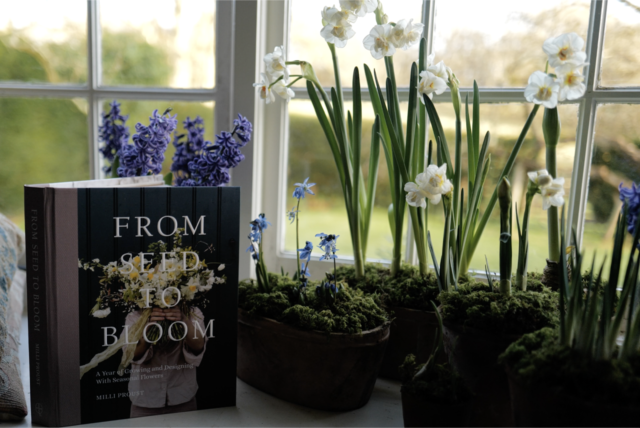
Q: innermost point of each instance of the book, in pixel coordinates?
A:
(132, 298)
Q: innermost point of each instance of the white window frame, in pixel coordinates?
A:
(274, 126)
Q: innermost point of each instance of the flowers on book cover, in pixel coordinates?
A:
(165, 276)
(159, 278)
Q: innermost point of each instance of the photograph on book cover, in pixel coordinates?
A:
(158, 292)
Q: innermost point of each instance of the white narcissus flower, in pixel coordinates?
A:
(431, 184)
(540, 178)
(542, 89)
(102, 313)
(565, 49)
(430, 84)
(280, 88)
(337, 26)
(359, 7)
(378, 41)
(553, 194)
(571, 82)
(405, 34)
(440, 70)
(275, 63)
(430, 59)
(264, 90)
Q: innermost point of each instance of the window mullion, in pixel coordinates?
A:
(93, 81)
(586, 122)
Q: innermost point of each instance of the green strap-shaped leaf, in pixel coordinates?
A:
(439, 135)
(505, 173)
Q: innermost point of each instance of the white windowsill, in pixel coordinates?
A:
(254, 408)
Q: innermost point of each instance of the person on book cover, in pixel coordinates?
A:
(165, 373)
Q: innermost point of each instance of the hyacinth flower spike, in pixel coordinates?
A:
(114, 134)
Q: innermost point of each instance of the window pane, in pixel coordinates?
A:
(307, 44)
(43, 141)
(621, 56)
(140, 111)
(161, 43)
(616, 156)
(310, 156)
(499, 42)
(43, 41)
(505, 122)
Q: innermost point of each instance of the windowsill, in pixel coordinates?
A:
(254, 408)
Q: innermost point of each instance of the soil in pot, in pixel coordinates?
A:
(324, 356)
(572, 390)
(407, 298)
(479, 324)
(440, 400)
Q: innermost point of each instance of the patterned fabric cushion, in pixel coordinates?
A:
(11, 249)
(12, 400)
(13, 405)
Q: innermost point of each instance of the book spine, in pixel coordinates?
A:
(37, 223)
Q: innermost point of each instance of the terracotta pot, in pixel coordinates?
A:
(319, 370)
(412, 332)
(418, 412)
(540, 406)
(474, 354)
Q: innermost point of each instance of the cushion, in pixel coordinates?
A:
(11, 249)
(13, 404)
(12, 282)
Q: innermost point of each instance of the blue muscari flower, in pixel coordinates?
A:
(303, 188)
(292, 214)
(243, 129)
(328, 245)
(113, 134)
(631, 198)
(146, 155)
(305, 253)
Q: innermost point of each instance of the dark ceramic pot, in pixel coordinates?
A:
(474, 354)
(419, 412)
(325, 371)
(549, 406)
(412, 332)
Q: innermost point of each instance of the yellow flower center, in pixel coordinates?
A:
(339, 32)
(544, 93)
(381, 44)
(436, 181)
(136, 260)
(133, 275)
(150, 276)
(564, 53)
(192, 288)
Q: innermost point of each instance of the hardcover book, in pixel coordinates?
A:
(132, 297)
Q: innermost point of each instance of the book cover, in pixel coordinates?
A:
(132, 301)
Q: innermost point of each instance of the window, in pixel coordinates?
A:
(63, 62)
(498, 43)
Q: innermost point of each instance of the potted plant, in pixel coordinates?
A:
(318, 344)
(481, 320)
(433, 394)
(586, 372)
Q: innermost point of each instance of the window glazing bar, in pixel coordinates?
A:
(586, 120)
